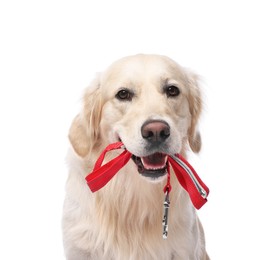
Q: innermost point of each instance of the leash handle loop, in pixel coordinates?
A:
(101, 175)
(184, 172)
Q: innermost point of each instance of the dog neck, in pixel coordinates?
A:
(129, 210)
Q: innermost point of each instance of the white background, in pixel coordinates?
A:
(50, 51)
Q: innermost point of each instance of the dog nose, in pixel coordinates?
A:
(155, 131)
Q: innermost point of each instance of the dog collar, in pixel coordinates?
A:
(185, 174)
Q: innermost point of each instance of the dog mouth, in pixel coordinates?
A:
(152, 166)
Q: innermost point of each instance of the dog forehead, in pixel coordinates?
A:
(141, 69)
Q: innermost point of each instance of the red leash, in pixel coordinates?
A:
(101, 175)
(184, 172)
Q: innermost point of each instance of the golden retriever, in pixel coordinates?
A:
(152, 105)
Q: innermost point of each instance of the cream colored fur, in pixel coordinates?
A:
(123, 220)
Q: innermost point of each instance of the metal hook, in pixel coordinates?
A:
(166, 206)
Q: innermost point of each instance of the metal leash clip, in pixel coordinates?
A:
(166, 206)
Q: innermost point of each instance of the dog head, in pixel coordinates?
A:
(148, 102)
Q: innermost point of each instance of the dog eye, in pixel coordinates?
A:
(172, 91)
(124, 95)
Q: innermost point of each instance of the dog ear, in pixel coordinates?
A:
(84, 131)
(195, 106)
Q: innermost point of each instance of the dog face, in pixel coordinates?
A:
(149, 103)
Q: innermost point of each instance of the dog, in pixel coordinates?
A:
(152, 105)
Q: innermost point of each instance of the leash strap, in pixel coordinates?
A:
(184, 172)
(101, 175)
(189, 180)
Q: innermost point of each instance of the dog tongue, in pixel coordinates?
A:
(154, 161)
